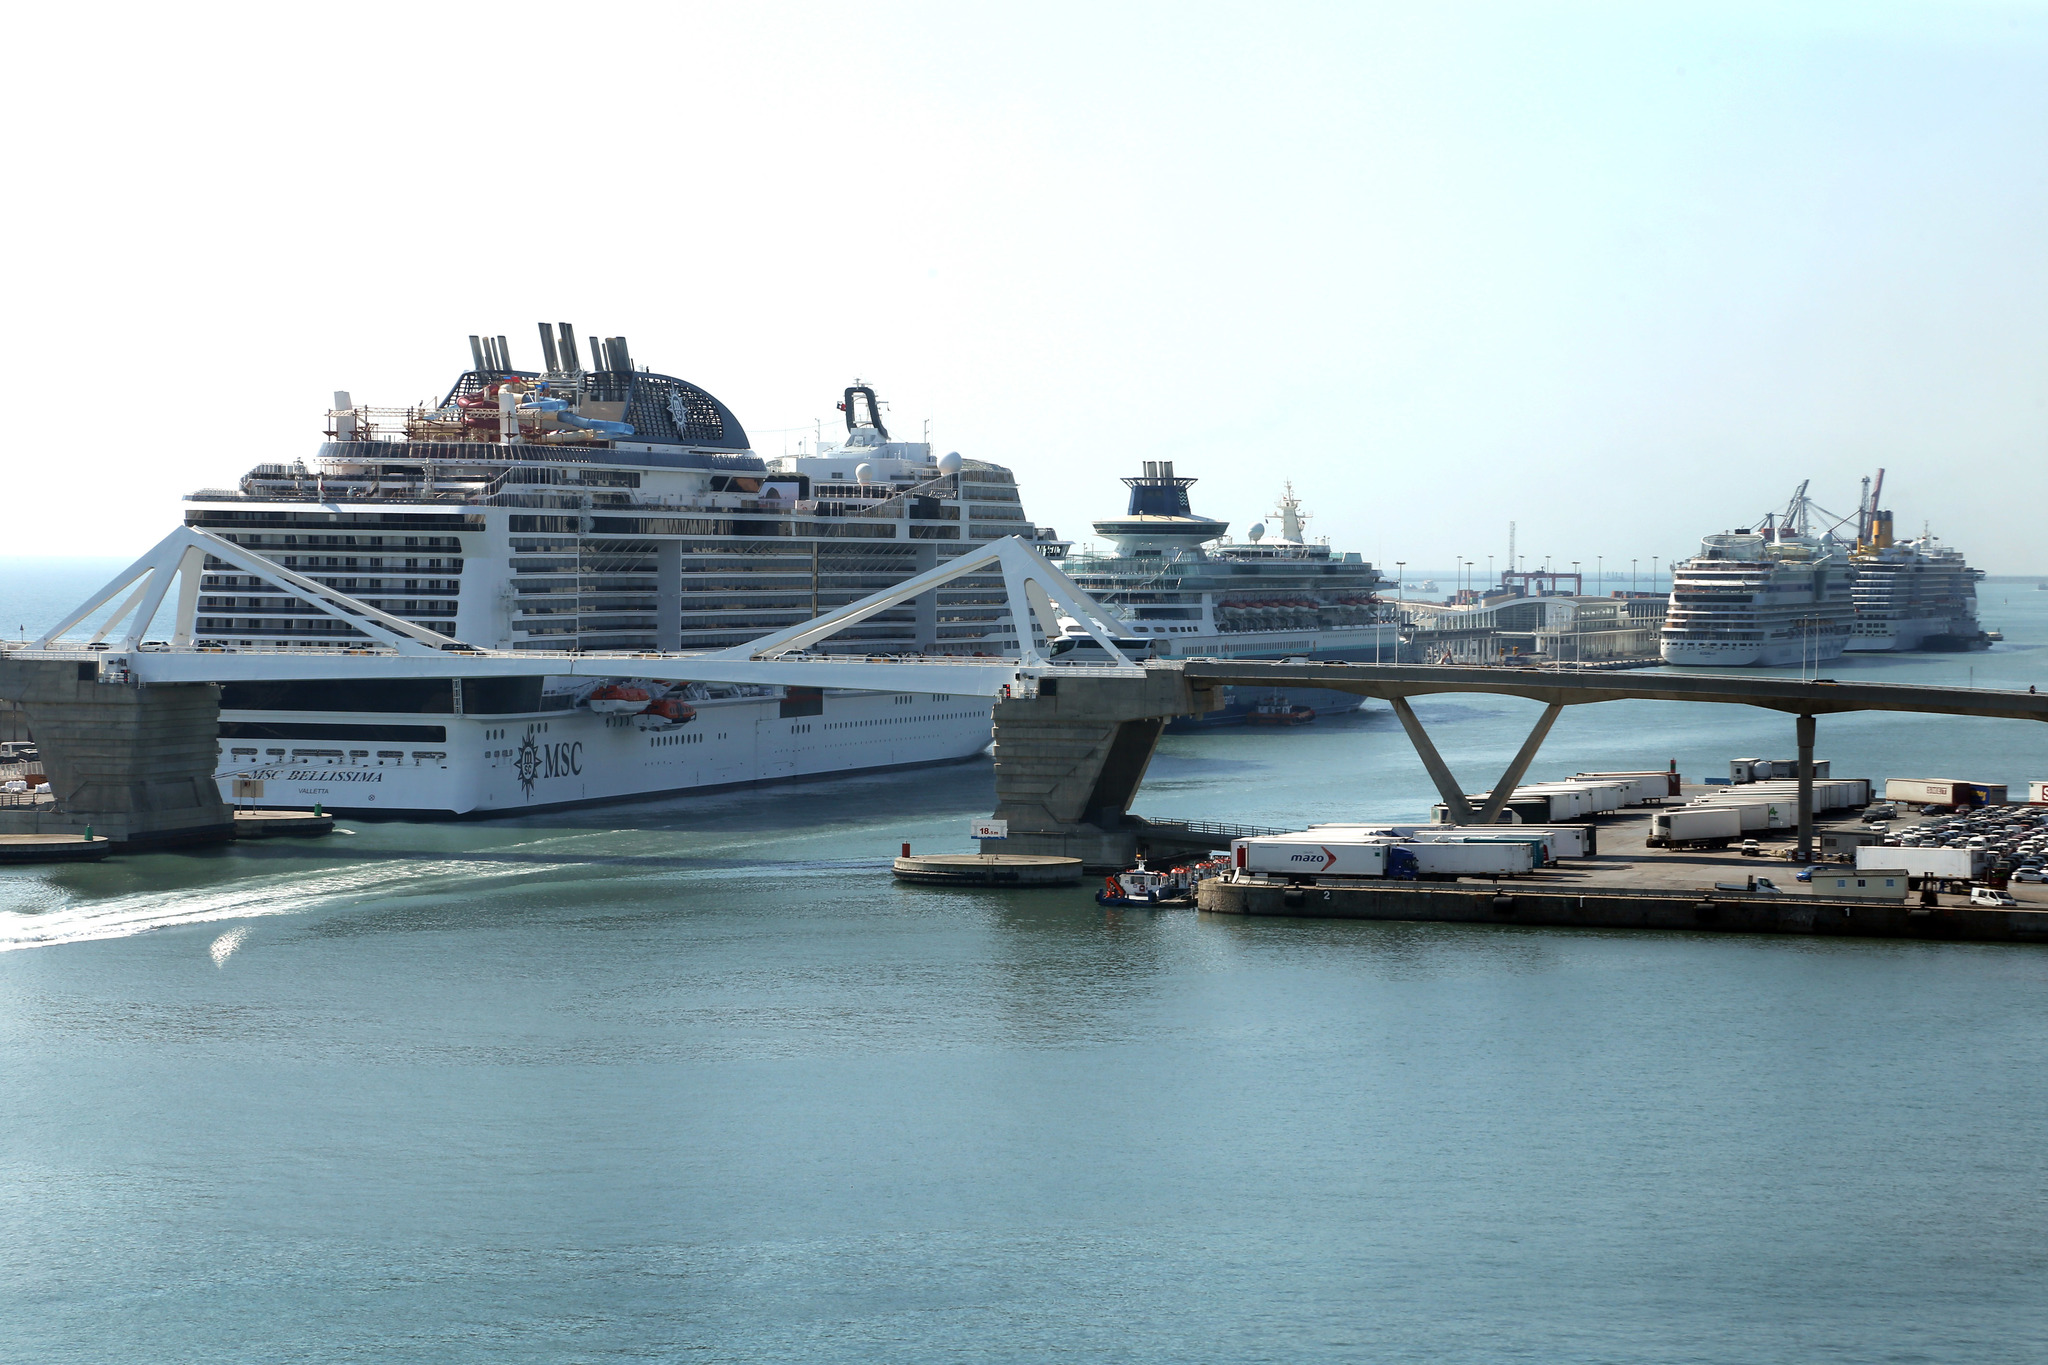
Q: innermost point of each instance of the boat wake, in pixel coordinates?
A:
(83, 921)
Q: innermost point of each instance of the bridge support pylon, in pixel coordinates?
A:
(135, 763)
(1460, 809)
(1069, 760)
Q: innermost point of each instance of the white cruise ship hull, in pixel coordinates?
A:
(1750, 653)
(497, 765)
(1908, 633)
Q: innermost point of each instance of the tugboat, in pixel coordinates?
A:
(1170, 890)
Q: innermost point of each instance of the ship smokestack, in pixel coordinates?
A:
(547, 348)
(476, 352)
(570, 361)
(504, 355)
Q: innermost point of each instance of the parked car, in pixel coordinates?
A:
(1986, 896)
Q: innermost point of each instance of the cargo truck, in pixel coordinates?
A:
(1926, 864)
(1695, 827)
(1564, 841)
(1655, 782)
(1313, 854)
(1943, 791)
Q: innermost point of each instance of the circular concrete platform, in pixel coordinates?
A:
(53, 848)
(988, 869)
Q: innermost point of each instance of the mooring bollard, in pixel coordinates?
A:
(88, 834)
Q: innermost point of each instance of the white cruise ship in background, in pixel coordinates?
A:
(1771, 597)
(600, 508)
(1175, 579)
(1909, 594)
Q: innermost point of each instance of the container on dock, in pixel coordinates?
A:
(1746, 770)
(1695, 827)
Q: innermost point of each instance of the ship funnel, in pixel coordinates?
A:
(504, 355)
(476, 353)
(547, 348)
(571, 362)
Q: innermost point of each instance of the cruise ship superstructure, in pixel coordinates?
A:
(1776, 596)
(1909, 594)
(1175, 579)
(599, 507)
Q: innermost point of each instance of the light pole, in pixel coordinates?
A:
(1599, 575)
(1489, 571)
(1401, 574)
(1631, 577)
(1653, 573)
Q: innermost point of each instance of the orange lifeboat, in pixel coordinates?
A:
(665, 712)
(618, 699)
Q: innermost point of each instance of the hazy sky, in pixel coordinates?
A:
(1621, 273)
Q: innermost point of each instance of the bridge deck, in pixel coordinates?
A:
(1792, 695)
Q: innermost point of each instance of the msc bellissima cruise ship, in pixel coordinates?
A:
(599, 508)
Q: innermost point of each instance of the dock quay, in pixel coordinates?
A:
(272, 824)
(1632, 886)
(1626, 908)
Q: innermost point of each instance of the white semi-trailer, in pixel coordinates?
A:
(1755, 816)
(1943, 791)
(1309, 854)
(1346, 853)
(1939, 864)
(1695, 827)
(1654, 783)
(1565, 841)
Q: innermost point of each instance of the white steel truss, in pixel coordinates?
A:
(1039, 594)
(182, 556)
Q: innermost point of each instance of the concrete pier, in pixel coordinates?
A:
(135, 763)
(1622, 908)
(1069, 760)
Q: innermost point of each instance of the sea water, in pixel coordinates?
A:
(694, 1079)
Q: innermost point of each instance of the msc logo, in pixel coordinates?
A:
(536, 761)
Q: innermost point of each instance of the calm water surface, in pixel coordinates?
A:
(695, 1080)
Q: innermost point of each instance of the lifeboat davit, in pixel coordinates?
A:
(617, 699)
(663, 713)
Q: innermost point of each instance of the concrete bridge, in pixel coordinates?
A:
(1070, 754)
(129, 728)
